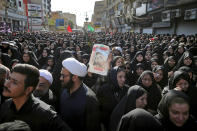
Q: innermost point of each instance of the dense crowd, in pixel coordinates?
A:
(151, 82)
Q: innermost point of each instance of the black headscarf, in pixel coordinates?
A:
(176, 77)
(163, 112)
(139, 120)
(135, 76)
(164, 80)
(154, 94)
(180, 63)
(32, 60)
(164, 104)
(127, 103)
(112, 76)
(134, 61)
(168, 68)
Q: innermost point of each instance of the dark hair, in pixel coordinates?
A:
(31, 72)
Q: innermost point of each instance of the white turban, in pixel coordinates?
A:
(47, 75)
(75, 67)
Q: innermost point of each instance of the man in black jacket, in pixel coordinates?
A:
(24, 106)
(42, 90)
(79, 106)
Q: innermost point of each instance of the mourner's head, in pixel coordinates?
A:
(22, 81)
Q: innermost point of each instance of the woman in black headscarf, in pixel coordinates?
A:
(148, 56)
(173, 112)
(139, 120)
(181, 81)
(185, 60)
(136, 97)
(110, 94)
(132, 51)
(160, 76)
(178, 77)
(28, 58)
(179, 52)
(14, 54)
(44, 57)
(138, 58)
(169, 64)
(153, 63)
(190, 72)
(137, 72)
(147, 81)
(129, 75)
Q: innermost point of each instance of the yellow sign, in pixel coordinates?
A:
(61, 27)
(51, 22)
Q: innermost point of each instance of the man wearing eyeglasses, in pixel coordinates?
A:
(79, 106)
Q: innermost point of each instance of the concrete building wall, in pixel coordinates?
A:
(71, 17)
(148, 30)
(164, 31)
(187, 28)
(98, 16)
(17, 19)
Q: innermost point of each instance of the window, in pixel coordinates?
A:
(19, 4)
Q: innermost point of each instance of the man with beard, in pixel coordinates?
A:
(79, 106)
(23, 106)
(42, 90)
(4, 73)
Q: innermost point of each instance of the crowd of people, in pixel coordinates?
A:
(151, 82)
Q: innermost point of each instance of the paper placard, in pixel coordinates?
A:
(98, 60)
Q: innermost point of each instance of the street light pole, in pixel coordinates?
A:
(6, 15)
(86, 19)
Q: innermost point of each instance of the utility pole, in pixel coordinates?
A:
(86, 19)
(6, 15)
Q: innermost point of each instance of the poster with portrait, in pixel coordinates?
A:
(98, 60)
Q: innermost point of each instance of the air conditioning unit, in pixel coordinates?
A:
(190, 14)
(175, 13)
(166, 15)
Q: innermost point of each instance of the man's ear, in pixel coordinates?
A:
(29, 90)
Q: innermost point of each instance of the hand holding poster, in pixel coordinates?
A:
(98, 61)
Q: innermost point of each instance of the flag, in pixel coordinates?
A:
(69, 29)
(26, 10)
(90, 28)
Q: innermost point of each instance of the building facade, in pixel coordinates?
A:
(13, 14)
(39, 11)
(59, 21)
(152, 16)
(98, 16)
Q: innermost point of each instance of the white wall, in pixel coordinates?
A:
(148, 30)
(164, 31)
(187, 27)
